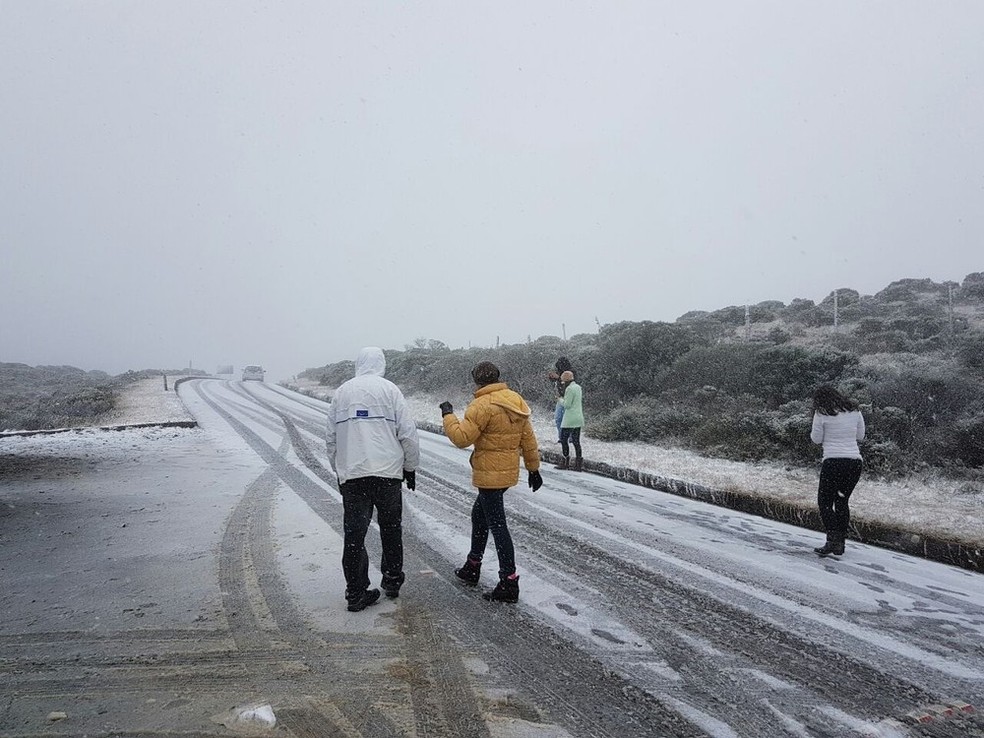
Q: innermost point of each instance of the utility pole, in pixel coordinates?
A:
(836, 316)
(748, 323)
(949, 310)
(563, 327)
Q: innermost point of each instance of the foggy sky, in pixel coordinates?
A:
(284, 182)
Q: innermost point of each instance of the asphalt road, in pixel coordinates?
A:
(153, 582)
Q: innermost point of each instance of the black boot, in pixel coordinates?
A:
(470, 572)
(838, 544)
(361, 601)
(578, 464)
(832, 547)
(507, 590)
(391, 584)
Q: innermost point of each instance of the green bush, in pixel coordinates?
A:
(621, 424)
(745, 436)
(967, 442)
(45, 397)
(886, 459)
(778, 336)
(929, 396)
(970, 350)
(635, 354)
(890, 424)
(691, 383)
(776, 374)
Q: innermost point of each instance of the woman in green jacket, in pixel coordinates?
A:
(570, 426)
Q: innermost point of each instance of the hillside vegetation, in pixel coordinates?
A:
(737, 382)
(46, 397)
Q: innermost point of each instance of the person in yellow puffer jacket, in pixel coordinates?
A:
(497, 423)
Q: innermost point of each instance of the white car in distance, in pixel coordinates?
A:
(253, 372)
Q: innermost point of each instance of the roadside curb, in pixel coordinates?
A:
(125, 426)
(871, 533)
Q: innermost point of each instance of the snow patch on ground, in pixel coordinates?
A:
(146, 401)
(933, 504)
(928, 503)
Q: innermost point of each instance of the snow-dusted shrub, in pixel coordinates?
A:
(967, 441)
(43, 397)
(778, 336)
(775, 374)
(970, 350)
(645, 420)
(890, 424)
(621, 424)
(972, 288)
(929, 396)
(886, 459)
(744, 436)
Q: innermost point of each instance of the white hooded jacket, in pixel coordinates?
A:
(370, 431)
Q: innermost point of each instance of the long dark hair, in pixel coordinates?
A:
(563, 365)
(828, 401)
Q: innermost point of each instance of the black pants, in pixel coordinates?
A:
(359, 496)
(570, 436)
(838, 477)
(489, 514)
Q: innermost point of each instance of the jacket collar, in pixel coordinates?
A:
(494, 387)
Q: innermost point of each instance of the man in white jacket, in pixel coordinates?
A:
(373, 448)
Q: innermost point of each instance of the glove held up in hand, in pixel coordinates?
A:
(446, 408)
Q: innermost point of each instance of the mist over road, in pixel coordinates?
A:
(158, 578)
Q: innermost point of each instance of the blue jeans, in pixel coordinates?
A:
(558, 417)
(489, 514)
(359, 497)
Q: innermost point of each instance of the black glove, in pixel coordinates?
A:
(536, 481)
(446, 408)
(410, 477)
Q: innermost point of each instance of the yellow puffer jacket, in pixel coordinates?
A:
(497, 421)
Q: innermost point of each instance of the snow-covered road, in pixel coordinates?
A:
(705, 608)
(641, 613)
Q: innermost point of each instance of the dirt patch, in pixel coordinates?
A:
(42, 467)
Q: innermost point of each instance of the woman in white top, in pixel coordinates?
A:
(838, 425)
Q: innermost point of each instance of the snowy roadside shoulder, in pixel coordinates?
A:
(930, 515)
(147, 402)
(144, 403)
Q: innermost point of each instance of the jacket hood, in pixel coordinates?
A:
(505, 398)
(371, 361)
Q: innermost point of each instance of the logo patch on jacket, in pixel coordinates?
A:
(362, 413)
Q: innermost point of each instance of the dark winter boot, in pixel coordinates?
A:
(507, 590)
(578, 464)
(470, 572)
(565, 463)
(831, 547)
(361, 601)
(838, 544)
(391, 584)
